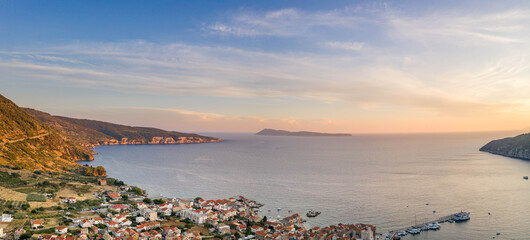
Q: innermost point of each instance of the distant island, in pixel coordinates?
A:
(274, 132)
(515, 147)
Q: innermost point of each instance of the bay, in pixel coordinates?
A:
(390, 181)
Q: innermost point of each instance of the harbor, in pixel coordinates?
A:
(425, 226)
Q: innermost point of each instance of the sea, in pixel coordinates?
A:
(390, 181)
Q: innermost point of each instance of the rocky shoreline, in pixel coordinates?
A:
(155, 141)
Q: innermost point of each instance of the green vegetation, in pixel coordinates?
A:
(115, 182)
(138, 191)
(11, 180)
(97, 171)
(35, 198)
(10, 206)
(88, 203)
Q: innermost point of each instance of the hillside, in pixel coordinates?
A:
(516, 147)
(91, 133)
(26, 142)
(273, 132)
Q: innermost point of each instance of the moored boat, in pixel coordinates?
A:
(461, 216)
(312, 213)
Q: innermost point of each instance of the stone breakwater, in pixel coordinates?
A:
(156, 140)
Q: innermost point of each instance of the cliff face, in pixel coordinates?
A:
(91, 133)
(26, 142)
(516, 147)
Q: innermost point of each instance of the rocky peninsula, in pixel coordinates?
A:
(515, 147)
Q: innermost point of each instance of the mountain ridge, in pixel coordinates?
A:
(91, 133)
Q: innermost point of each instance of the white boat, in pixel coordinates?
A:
(434, 226)
(414, 231)
(461, 216)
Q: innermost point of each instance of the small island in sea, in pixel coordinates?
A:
(274, 132)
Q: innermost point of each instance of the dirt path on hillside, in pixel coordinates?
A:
(24, 139)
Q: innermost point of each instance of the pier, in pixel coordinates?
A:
(443, 219)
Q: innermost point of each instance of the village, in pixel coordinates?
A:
(124, 213)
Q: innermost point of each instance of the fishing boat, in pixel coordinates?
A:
(312, 213)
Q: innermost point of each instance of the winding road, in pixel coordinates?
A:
(24, 139)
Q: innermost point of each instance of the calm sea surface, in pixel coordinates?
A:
(384, 180)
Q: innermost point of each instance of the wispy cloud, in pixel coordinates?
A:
(349, 46)
(463, 28)
(443, 63)
(287, 22)
(228, 72)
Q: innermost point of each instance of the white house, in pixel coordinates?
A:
(140, 219)
(222, 229)
(61, 230)
(6, 218)
(367, 234)
(112, 224)
(85, 224)
(149, 214)
(165, 211)
(195, 216)
(98, 220)
(126, 222)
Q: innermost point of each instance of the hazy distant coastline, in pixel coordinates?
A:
(274, 132)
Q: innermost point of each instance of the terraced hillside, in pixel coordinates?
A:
(26, 142)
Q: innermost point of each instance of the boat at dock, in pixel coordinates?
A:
(312, 213)
(433, 226)
(414, 231)
(461, 216)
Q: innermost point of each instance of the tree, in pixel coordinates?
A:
(97, 171)
(25, 236)
(100, 171)
(248, 230)
(147, 201)
(158, 201)
(125, 197)
(25, 206)
(138, 191)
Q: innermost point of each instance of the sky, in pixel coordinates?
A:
(241, 66)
